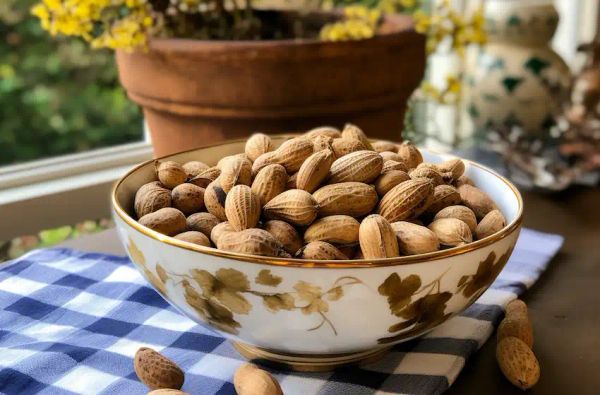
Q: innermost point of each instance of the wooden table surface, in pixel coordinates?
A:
(564, 304)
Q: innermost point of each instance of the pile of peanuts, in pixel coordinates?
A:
(328, 194)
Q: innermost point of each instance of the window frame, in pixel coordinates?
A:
(63, 190)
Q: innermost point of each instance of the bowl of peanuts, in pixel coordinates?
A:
(320, 249)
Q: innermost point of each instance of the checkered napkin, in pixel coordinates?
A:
(70, 322)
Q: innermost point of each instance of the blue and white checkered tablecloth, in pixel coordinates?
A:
(70, 322)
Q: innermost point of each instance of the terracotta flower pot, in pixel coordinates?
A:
(196, 92)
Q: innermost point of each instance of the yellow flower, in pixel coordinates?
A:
(450, 94)
(123, 23)
(428, 90)
(356, 11)
(387, 6)
(453, 84)
(408, 3)
(358, 23)
(422, 21)
(448, 23)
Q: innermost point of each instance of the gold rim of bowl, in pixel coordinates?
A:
(331, 264)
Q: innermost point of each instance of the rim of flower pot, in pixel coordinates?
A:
(396, 27)
(329, 264)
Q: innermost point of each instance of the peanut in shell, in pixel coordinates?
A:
(257, 144)
(202, 222)
(314, 170)
(384, 146)
(389, 155)
(415, 239)
(463, 213)
(492, 222)
(443, 196)
(348, 198)
(235, 171)
(151, 197)
(295, 206)
(323, 131)
(351, 131)
(335, 229)
(193, 237)
(168, 221)
(406, 200)
(214, 200)
(451, 232)
(194, 167)
(517, 362)
(188, 198)
(386, 181)
(345, 146)
(410, 155)
(285, 233)
(170, 173)
(377, 238)
(359, 166)
(292, 153)
(270, 181)
(477, 200)
(251, 241)
(242, 208)
(320, 250)
(205, 177)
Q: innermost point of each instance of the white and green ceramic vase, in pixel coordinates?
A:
(518, 79)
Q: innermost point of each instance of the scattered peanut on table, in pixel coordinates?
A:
(514, 348)
(163, 377)
(157, 371)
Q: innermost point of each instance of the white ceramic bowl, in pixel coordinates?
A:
(308, 313)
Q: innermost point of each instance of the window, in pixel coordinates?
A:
(67, 129)
(57, 96)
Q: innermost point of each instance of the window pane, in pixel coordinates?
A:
(57, 96)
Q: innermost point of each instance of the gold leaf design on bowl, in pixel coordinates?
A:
(223, 294)
(313, 298)
(335, 293)
(416, 330)
(399, 291)
(209, 308)
(264, 277)
(226, 287)
(135, 254)
(473, 285)
(138, 258)
(421, 313)
(423, 310)
(311, 294)
(281, 301)
(418, 313)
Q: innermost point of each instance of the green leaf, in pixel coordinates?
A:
(513, 20)
(54, 236)
(57, 95)
(511, 83)
(536, 65)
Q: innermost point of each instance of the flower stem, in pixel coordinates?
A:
(433, 283)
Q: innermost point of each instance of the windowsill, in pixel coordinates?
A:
(64, 190)
(106, 242)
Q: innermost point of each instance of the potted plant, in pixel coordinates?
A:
(205, 70)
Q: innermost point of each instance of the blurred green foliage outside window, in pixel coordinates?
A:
(57, 96)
